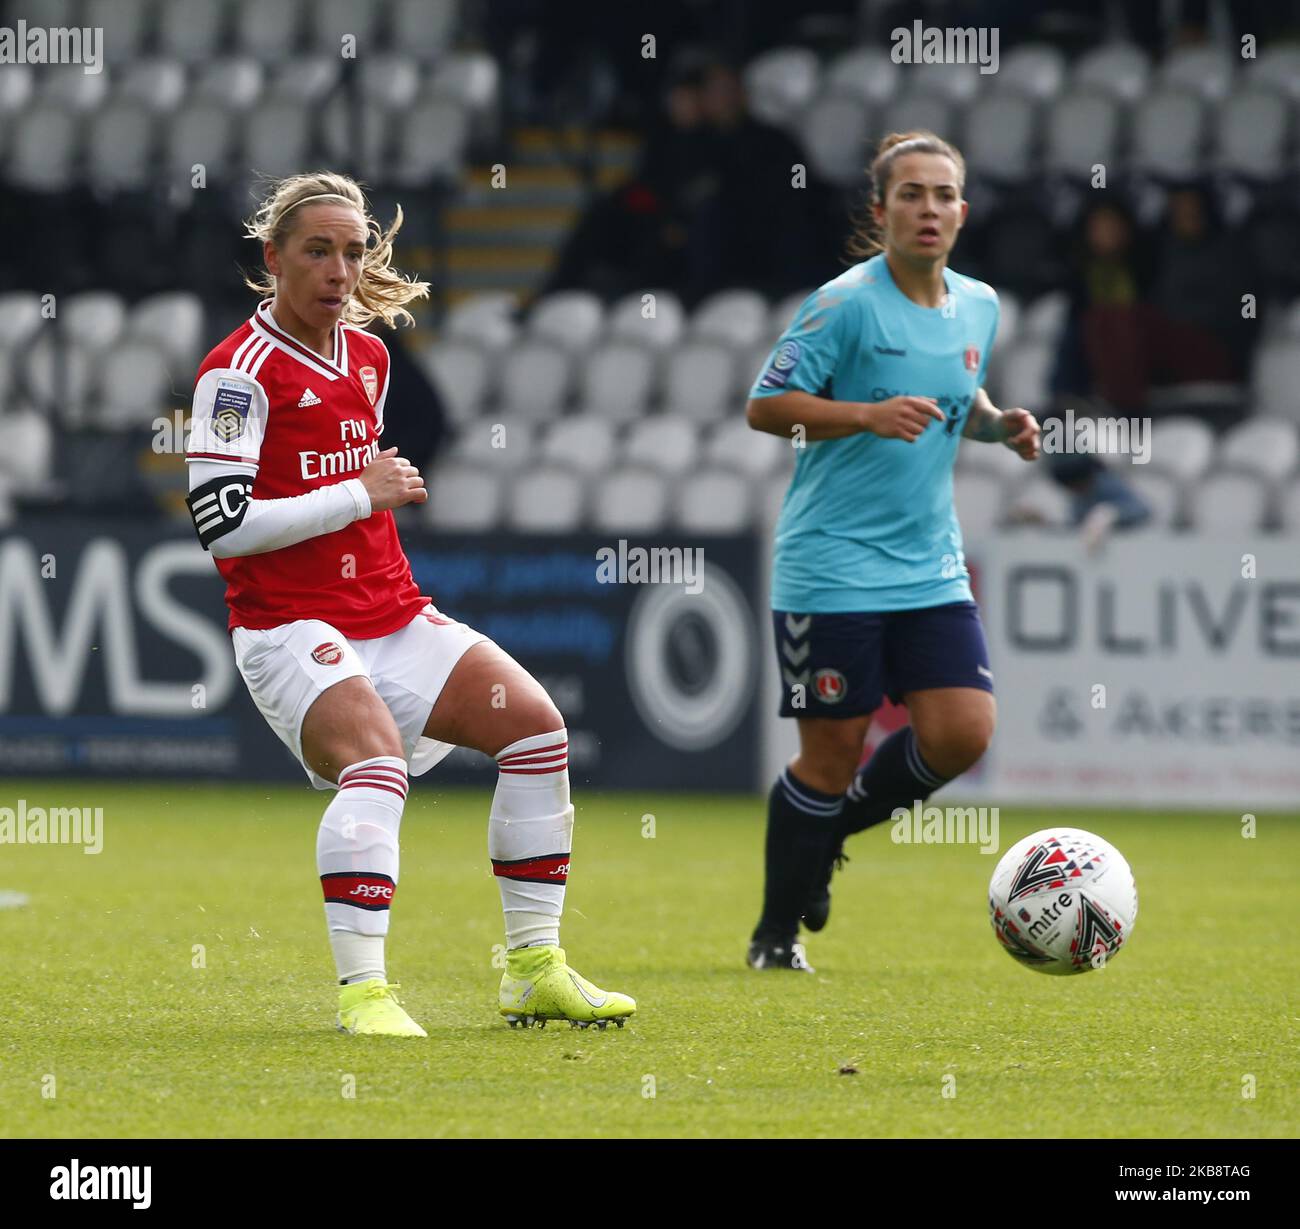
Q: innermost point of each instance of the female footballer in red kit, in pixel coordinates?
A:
(353, 668)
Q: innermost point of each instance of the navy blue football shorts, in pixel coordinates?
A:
(847, 662)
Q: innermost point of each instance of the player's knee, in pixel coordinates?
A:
(829, 765)
(532, 719)
(954, 748)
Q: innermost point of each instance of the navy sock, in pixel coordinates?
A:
(800, 821)
(894, 776)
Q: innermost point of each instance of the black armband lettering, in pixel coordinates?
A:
(218, 506)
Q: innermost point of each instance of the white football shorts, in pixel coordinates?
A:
(287, 667)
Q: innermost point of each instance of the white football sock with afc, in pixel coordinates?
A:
(357, 856)
(530, 834)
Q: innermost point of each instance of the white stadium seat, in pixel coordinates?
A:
(1009, 312)
(1044, 318)
(1277, 68)
(17, 86)
(329, 20)
(469, 78)
(158, 83)
(267, 29)
(714, 501)
(463, 499)
(191, 30)
(630, 501)
(1169, 134)
(1036, 71)
(833, 132)
(1203, 69)
(628, 319)
(1229, 504)
(59, 377)
(1251, 134)
(134, 386)
(392, 81)
(277, 136)
(1289, 508)
(546, 500)
(996, 459)
(431, 142)
(305, 78)
(486, 319)
(1161, 492)
(175, 321)
(930, 111)
(26, 451)
(733, 317)
(534, 380)
(700, 382)
(867, 72)
(616, 381)
(1182, 447)
(234, 81)
(1040, 502)
(120, 148)
(43, 148)
(1267, 447)
(582, 442)
(1082, 131)
(125, 24)
(339, 133)
(1121, 70)
(200, 134)
(1022, 372)
(780, 83)
(755, 454)
(571, 319)
(1000, 133)
(424, 28)
(20, 317)
(956, 84)
(1275, 377)
(95, 318)
(496, 442)
(462, 373)
(978, 498)
(69, 85)
(666, 443)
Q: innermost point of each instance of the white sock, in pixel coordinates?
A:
(356, 855)
(530, 835)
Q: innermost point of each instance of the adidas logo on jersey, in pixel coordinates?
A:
(308, 398)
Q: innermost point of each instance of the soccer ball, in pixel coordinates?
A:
(1063, 901)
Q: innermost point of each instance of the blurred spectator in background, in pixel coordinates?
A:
(711, 204)
(1101, 355)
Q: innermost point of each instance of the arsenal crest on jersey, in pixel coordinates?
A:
(972, 358)
(370, 382)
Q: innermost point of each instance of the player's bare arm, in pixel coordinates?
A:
(1018, 429)
(898, 418)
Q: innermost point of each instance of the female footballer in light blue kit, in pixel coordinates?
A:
(879, 376)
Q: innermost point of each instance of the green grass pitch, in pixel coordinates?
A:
(104, 996)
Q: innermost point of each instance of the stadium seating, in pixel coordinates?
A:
(629, 501)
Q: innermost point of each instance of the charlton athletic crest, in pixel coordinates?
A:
(370, 381)
(830, 686)
(972, 359)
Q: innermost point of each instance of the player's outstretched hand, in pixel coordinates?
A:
(392, 481)
(902, 418)
(1023, 433)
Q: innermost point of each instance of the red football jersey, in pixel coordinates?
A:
(273, 410)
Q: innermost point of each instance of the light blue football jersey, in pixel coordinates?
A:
(868, 524)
